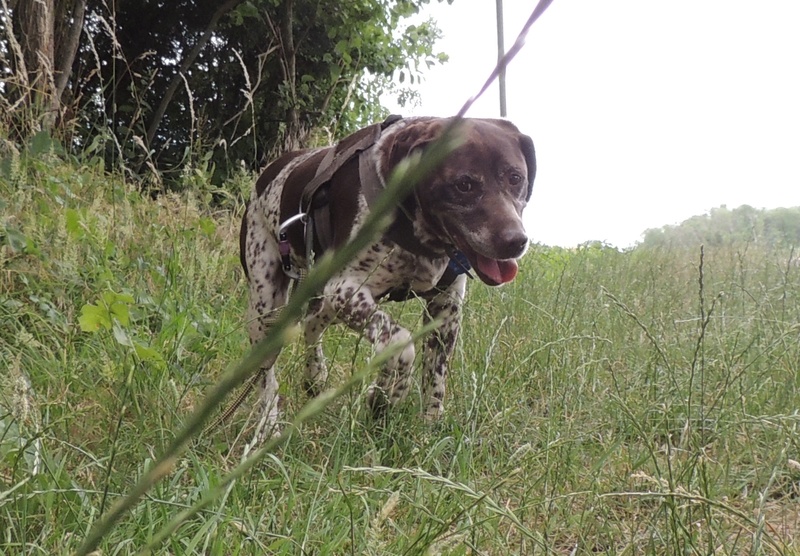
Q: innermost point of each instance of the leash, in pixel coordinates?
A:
(250, 385)
(508, 56)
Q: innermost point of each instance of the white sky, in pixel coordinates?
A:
(643, 112)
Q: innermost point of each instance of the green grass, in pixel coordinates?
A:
(605, 402)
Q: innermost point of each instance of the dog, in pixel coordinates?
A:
(466, 215)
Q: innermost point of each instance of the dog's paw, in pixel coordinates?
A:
(377, 401)
(311, 388)
(314, 385)
(434, 413)
(267, 426)
(316, 374)
(265, 431)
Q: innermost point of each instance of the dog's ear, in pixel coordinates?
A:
(412, 137)
(526, 146)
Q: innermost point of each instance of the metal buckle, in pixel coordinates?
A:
(283, 244)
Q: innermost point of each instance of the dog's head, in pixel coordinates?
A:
(474, 201)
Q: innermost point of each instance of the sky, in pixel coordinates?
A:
(643, 112)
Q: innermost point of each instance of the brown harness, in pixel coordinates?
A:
(314, 200)
(313, 204)
(315, 208)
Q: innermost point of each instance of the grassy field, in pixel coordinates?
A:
(606, 402)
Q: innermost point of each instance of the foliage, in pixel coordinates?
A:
(724, 227)
(162, 88)
(636, 402)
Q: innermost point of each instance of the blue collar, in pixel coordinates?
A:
(459, 264)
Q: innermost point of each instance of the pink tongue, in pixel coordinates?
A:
(499, 271)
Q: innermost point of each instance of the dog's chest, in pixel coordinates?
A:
(385, 266)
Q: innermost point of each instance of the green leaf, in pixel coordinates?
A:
(147, 353)
(207, 226)
(243, 11)
(93, 318)
(42, 143)
(16, 239)
(109, 249)
(122, 337)
(118, 306)
(73, 222)
(112, 307)
(31, 248)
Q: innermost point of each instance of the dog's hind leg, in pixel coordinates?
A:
(258, 325)
(439, 346)
(268, 292)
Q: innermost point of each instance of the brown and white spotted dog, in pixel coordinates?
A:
(469, 210)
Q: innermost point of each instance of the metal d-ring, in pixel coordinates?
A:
(302, 217)
(285, 248)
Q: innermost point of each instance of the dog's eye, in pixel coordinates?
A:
(464, 184)
(514, 179)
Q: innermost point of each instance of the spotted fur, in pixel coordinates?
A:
(473, 203)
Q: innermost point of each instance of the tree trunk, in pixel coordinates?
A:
(37, 30)
(68, 38)
(296, 132)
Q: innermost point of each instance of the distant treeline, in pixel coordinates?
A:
(778, 227)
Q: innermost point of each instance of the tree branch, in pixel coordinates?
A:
(185, 65)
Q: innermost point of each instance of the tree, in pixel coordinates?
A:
(157, 86)
(722, 226)
(42, 41)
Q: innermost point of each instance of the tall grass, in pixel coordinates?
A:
(639, 402)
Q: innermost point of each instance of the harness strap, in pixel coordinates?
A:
(401, 230)
(334, 160)
(313, 200)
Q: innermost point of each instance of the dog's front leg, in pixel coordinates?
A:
(319, 316)
(357, 308)
(439, 346)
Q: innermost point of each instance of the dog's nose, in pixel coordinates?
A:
(513, 243)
